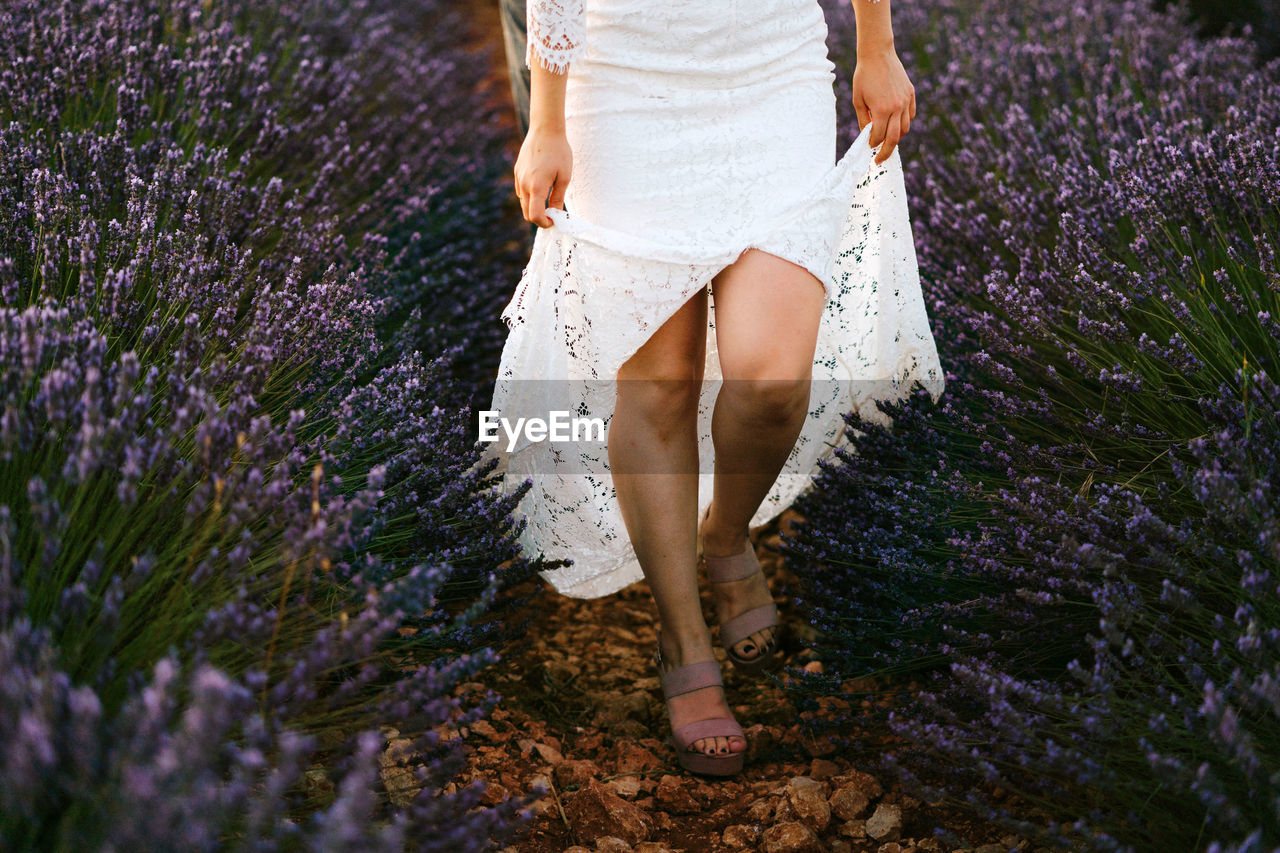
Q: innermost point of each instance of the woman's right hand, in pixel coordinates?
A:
(542, 173)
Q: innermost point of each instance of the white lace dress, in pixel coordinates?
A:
(698, 130)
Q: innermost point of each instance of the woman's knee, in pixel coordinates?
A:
(773, 401)
(665, 398)
(666, 388)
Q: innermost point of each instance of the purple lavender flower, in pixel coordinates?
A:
(225, 489)
(1076, 554)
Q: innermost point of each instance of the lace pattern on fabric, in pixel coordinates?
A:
(557, 33)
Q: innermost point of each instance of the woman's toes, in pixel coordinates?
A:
(719, 745)
(761, 642)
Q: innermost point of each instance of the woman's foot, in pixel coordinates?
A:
(738, 596)
(700, 704)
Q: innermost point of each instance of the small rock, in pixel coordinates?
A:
(760, 740)
(549, 754)
(675, 795)
(652, 847)
(618, 708)
(804, 798)
(401, 783)
(762, 810)
(634, 758)
(316, 783)
(494, 793)
(585, 744)
(929, 845)
(790, 837)
(849, 802)
(546, 804)
(815, 746)
(741, 836)
(577, 848)
(559, 673)
(855, 829)
(627, 787)
(705, 793)
(575, 772)
(885, 824)
(485, 729)
(839, 845)
(609, 844)
(822, 769)
(866, 783)
(595, 811)
(892, 847)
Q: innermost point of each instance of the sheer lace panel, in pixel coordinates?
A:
(557, 32)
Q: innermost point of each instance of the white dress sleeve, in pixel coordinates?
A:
(557, 32)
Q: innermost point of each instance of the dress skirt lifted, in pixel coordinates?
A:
(698, 131)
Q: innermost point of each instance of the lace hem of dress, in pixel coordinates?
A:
(557, 33)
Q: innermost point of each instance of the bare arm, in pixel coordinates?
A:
(882, 92)
(545, 163)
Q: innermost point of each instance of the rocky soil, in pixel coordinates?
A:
(582, 715)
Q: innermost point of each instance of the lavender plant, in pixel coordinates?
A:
(1077, 551)
(225, 493)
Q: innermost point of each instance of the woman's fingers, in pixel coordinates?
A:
(557, 193)
(533, 201)
(893, 132)
(537, 212)
(524, 202)
(863, 111)
(878, 129)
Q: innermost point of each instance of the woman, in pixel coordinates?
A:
(680, 161)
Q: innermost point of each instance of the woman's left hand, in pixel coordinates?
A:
(884, 96)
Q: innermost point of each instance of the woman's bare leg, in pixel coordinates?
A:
(653, 459)
(768, 312)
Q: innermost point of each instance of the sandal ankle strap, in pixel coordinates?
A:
(733, 567)
(691, 676)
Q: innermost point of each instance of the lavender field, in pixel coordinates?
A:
(241, 246)
(1078, 551)
(252, 256)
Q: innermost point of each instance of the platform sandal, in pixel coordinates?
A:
(694, 676)
(735, 567)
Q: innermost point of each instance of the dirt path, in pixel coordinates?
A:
(583, 715)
